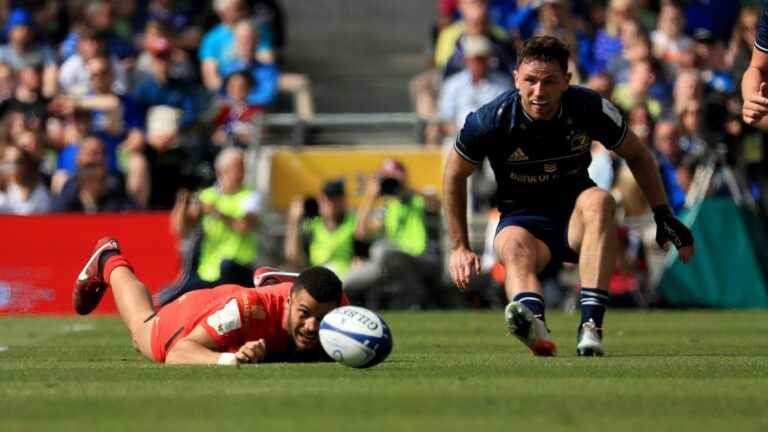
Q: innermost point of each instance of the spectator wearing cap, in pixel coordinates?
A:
(448, 59)
(473, 87)
(711, 60)
(164, 159)
(181, 18)
(22, 50)
(716, 16)
(158, 40)
(161, 88)
(502, 49)
(228, 213)
(475, 21)
(403, 257)
(322, 236)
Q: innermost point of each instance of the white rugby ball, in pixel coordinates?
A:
(355, 336)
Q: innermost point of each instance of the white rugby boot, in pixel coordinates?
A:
(590, 342)
(530, 330)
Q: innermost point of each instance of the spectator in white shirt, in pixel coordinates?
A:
(24, 191)
(471, 88)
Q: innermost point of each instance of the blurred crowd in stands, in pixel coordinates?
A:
(117, 105)
(109, 106)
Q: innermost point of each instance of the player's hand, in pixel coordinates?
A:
(755, 106)
(462, 265)
(670, 230)
(252, 352)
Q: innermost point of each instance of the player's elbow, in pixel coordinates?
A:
(185, 352)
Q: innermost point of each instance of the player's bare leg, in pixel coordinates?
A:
(592, 232)
(135, 306)
(104, 268)
(523, 257)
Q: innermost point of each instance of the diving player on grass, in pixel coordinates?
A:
(537, 139)
(226, 325)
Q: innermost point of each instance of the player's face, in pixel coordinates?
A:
(304, 315)
(541, 83)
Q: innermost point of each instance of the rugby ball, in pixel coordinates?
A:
(355, 336)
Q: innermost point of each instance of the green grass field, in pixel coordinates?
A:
(452, 371)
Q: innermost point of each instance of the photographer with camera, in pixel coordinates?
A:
(402, 258)
(321, 232)
(227, 214)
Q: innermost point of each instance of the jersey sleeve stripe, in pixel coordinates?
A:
(760, 47)
(621, 140)
(463, 155)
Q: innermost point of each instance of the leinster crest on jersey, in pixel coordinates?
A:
(579, 141)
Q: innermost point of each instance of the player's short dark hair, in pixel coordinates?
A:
(322, 284)
(544, 48)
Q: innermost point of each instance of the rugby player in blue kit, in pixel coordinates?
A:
(537, 139)
(754, 83)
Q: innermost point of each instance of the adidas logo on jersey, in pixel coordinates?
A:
(518, 156)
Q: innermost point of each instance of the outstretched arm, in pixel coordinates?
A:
(463, 262)
(754, 90)
(644, 168)
(199, 348)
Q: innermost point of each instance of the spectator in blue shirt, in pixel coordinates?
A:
(23, 51)
(162, 89)
(264, 77)
(221, 38)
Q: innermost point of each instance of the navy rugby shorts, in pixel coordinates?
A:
(548, 225)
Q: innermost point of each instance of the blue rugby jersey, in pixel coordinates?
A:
(761, 41)
(540, 164)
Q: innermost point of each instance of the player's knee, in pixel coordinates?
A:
(518, 253)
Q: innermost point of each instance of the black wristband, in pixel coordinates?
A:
(662, 210)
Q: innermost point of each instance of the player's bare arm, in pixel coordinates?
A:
(196, 348)
(199, 348)
(644, 168)
(463, 262)
(754, 90)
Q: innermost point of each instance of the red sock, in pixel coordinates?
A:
(114, 262)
